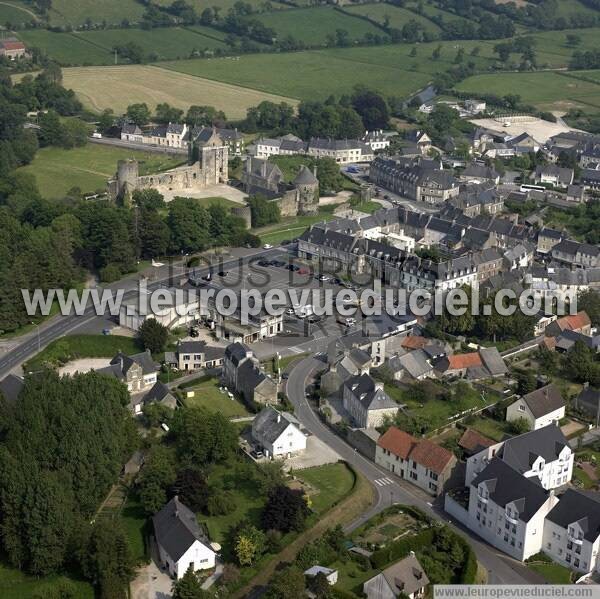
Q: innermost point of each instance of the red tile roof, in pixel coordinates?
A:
(424, 452)
(10, 45)
(460, 361)
(414, 342)
(574, 322)
(397, 441)
(430, 455)
(472, 440)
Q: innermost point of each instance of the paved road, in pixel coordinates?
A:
(59, 326)
(390, 490)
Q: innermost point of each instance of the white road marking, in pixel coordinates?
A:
(382, 482)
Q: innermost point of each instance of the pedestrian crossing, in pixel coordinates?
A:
(382, 482)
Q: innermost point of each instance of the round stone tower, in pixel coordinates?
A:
(244, 213)
(307, 185)
(127, 177)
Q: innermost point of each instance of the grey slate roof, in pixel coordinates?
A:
(544, 400)
(492, 360)
(416, 363)
(520, 452)
(236, 352)
(305, 177)
(270, 423)
(406, 576)
(158, 393)
(581, 507)
(10, 387)
(176, 528)
(506, 485)
(372, 398)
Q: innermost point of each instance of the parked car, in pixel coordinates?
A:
(222, 273)
(303, 271)
(324, 278)
(267, 246)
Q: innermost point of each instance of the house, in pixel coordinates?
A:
(131, 132)
(343, 151)
(161, 394)
(139, 371)
(194, 355)
(330, 575)
(588, 401)
(477, 173)
(473, 442)
(484, 363)
(547, 239)
(415, 364)
(366, 401)
(572, 531)
(405, 578)
(278, 433)
(377, 139)
(576, 194)
(421, 139)
(10, 387)
(550, 174)
(579, 323)
(242, 373)
(543, 454)
(182, 544)
(419, 461)
(12, 48)
(575, 253)
(539, 408)
(507, 509)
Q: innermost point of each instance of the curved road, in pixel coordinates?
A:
(501, 569)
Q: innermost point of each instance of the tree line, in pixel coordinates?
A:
(63, 443)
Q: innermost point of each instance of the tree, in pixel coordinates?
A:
(573, 40)
(437, 52)
(526, 382)
(148, 199)
(519, 426)
(204, 116)
(192, 488)
(157, 477)
(106, 559)
(287, 584)
(153, 335)
(188, 222)
(589, 301)
(189, 587)
(285, 510)
(138, 113)
(51, 129)
(249, 543)
(263, 211)
(372, 108)
(165, 113)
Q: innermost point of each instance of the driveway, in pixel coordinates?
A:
(150, 582)
(317, 454)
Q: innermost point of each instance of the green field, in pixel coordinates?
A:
(333, 481)
(16, 585)
(77, 12)
(16, 13)
(543, 89)
(207, 395)
(568, 8)
(313, 25)
(170, 43)
(398, 17)
(66, 48)
(88, 167)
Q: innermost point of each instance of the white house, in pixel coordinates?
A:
(181, 542)
(330, 575)
(278, 433)
(544, 454)
(405, 578)
(539, 408)
(508, 510)
(138, 371)
(572, 531)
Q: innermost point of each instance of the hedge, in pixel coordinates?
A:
(468, 573)
(402, 548)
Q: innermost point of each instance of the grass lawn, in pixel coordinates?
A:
(164, 43)
(133, 519)
(207, 395)
(553, 573)
(543, 89)
(73, 347)
(16, 585)
(398, 17)
(16, 13)
(88, 167)
(218, 200)
(493, 429)
(288, 228)
(313, 25)
(66, 48)
(112, 11)
(334, 481)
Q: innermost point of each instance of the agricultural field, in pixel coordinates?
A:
(66, 48)
(16, 13)
(75, 13)
(313, 25)
(548, 91)
(569, 8)
(87, 167)
(593, 75)
(398, 17)
(117, 87)
(170, 43)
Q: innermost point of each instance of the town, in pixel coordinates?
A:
(438, 423)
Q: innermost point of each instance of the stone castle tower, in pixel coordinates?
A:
(307, 187)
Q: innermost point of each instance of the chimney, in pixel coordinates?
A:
(379, 386)
(278, 417)
(412, 554)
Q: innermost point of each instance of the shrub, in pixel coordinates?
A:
(400, 549)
